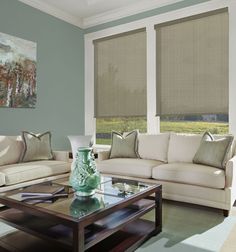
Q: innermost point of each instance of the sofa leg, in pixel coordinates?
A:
(226, 213)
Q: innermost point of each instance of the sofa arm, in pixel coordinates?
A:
(61, 156)
(103, 155)
(230, 173)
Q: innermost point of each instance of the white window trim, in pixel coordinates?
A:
(153, 122)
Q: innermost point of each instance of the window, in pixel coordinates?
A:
(216, 124)
(192, 73)
(153, 123)
(120, 101)
(104, 127)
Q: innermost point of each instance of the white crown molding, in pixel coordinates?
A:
(51, 10)
(125, 11)
(100, 18)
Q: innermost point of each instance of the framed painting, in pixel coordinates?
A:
(18, 87)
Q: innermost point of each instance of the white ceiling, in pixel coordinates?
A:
(87, 13)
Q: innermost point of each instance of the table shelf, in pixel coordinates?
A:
(115, 224)
(119, 222)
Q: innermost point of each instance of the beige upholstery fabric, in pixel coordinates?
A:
(230, 172)
(182, 147)
(189, 173)
(153, 146)
(103, 155)
(128, 166)
(196, 194)
(2, 179)
(33, 182)
(10, 149)
(61, 156)
(17, 173)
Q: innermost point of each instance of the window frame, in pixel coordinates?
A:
(153, 122)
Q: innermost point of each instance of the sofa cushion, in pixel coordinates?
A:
(124, 146)
(21, 172)
(10, 149)
(128, 166)
(36, 146)
(214, 152)
(153, 146)
(189, 173)
(182, 147)
(2, 179)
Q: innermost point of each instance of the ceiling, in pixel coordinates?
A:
(87, 13)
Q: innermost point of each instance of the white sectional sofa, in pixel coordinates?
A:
(168, 159)
(14, 174)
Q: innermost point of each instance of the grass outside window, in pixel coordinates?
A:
(105, 126)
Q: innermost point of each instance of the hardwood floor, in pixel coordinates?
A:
(14, 242)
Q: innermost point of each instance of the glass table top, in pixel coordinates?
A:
(111, 191)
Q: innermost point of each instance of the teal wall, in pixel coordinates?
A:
(60, 74)
(60, 69)
(156, 11)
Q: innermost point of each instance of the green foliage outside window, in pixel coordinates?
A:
(106, 125)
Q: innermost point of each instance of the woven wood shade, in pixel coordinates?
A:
(120, 75)
(192, 65)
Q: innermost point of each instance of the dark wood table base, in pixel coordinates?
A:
(117, 228)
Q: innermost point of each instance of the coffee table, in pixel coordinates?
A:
(111, 220)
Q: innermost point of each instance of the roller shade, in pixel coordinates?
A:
(192, 65)
(120, 75)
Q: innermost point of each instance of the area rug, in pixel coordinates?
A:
(186, 228)
(190, 228)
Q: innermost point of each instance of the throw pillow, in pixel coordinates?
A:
(214, 152)
(124, 146)
(36, 146)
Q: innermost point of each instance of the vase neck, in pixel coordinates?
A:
(85, 153)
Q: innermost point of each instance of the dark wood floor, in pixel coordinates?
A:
(22, 242)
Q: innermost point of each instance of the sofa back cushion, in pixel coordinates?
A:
(183, 147)
(153, 146)
(10, 149)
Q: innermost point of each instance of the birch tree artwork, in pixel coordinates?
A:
(17, 72)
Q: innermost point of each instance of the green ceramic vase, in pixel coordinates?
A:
(84, 177)
(82, 206)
